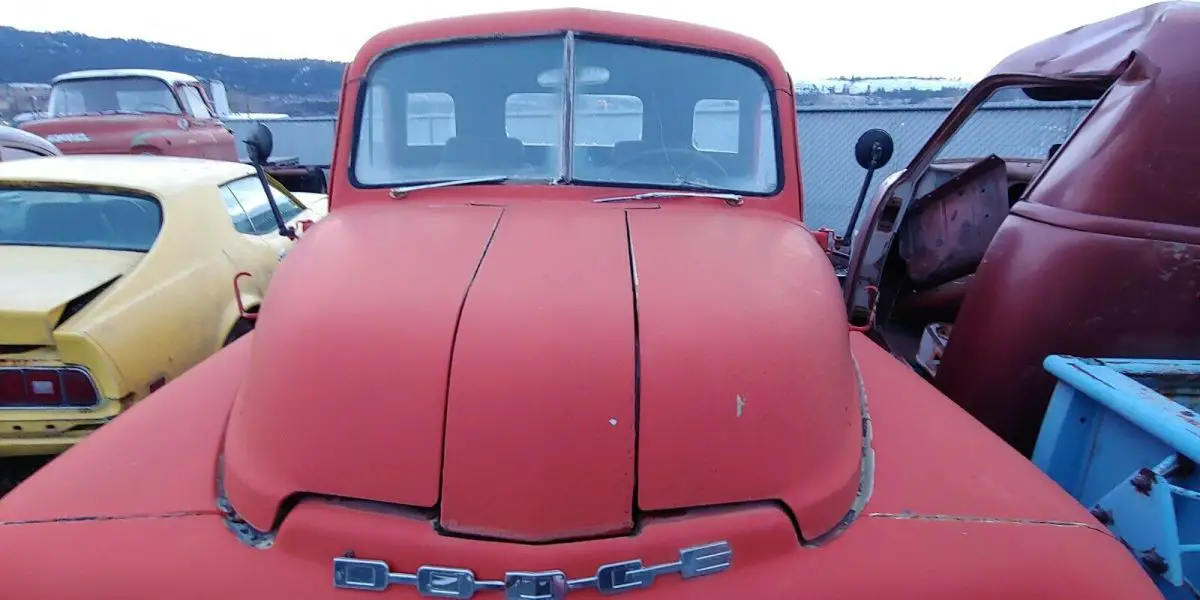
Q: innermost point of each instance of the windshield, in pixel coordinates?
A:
(74, 219)
(112, 94)
(639, 116)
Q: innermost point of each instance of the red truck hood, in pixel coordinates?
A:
(108, 134)
(537, 373)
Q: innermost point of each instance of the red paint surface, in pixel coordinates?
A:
(156, 134)
(358, 407)
(539, 395)
(118, 478)
(742, 306)
(161, 553)
(541, 409)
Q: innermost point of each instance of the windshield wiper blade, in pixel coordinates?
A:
(732, 199)
(399, 192)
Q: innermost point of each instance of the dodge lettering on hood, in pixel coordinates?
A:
(562, 334)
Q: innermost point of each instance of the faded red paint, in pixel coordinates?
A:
(166, 135)
(182, 134)
(932, 529)
(519, 363)
(1110, 233)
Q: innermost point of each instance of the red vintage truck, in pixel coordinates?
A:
(609, 359)
(148, 111)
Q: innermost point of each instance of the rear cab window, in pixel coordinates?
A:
(78, 219)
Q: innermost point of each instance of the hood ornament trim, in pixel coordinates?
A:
(461, 584)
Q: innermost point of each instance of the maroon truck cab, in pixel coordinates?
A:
(976, 264)
(134, 111)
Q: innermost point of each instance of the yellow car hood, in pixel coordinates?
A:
(37, 282)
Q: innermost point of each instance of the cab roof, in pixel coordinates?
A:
(531, 22)
(160, 176)
(169, 77)
(1167, 34)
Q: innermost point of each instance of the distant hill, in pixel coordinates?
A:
(304, 87)
(880, 91)
(258, 84)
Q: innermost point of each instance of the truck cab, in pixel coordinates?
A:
(632, 117)
(147, 111)
(974, 262)
(133, 111)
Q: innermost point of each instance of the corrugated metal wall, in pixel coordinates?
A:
(827, 136)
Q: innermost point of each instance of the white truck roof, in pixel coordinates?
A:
(170, 77)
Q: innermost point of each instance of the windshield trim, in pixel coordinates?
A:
(565, 175)
(567, 126)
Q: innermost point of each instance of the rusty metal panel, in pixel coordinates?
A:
(952, 226)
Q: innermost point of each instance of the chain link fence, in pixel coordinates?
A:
(831, 177)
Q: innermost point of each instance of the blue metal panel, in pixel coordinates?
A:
(1123, 437)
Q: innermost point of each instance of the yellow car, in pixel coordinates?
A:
(116, 276)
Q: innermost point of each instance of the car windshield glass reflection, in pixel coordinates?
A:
(639, 116)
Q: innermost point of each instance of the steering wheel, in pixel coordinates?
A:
(690, 166)
(154, 107)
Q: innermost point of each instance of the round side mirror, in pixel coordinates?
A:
(873, 149)
(259, 144)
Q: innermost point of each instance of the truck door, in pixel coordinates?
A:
(213, 139)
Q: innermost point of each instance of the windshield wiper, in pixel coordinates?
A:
(399, 192)
(101, 113)
(730, 199)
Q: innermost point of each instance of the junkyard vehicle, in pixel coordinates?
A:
(16, 144)
(147, 111)
(115, 274)
(574, 341)
(1122, 436)
(976, 269)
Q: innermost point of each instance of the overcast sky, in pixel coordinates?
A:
(952, 38)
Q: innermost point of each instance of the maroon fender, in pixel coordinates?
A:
(1090, 286)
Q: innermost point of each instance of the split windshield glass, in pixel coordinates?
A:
(631, 115)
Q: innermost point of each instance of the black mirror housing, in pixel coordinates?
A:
(873, 149)
(259, 144)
